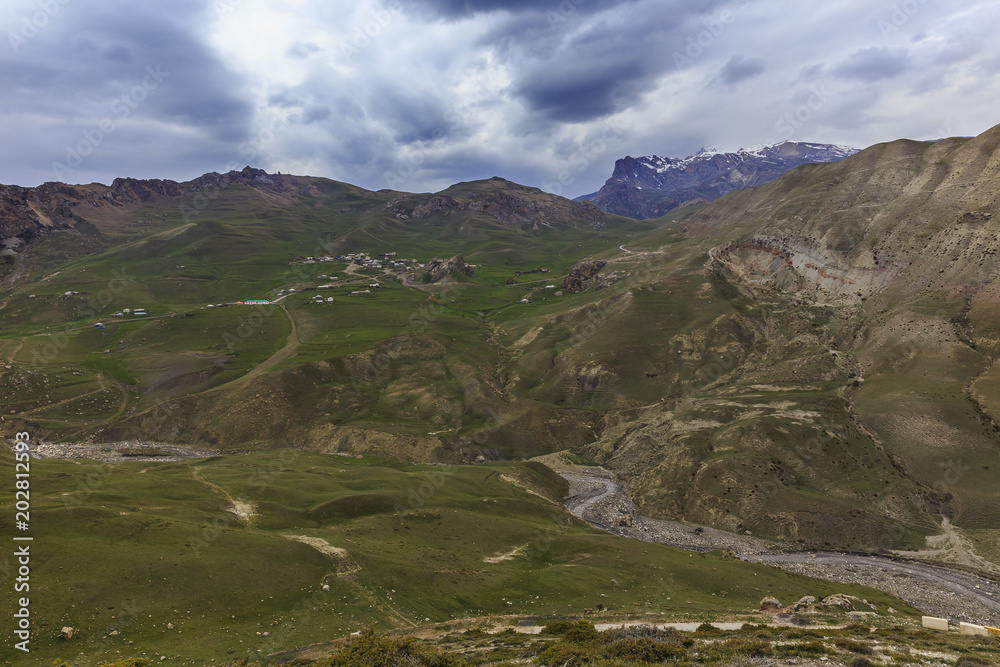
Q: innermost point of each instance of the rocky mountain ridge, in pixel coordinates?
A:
(651, 186)
(26, 213)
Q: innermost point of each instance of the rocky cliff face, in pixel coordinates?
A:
(648, 187)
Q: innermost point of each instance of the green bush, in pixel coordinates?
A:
(642, 648)
(563, 654)
(803, 650)
(707, 630)
(853, 646)
(862, 662)
(375, 650)
(582, 630)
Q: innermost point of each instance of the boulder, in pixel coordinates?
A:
(770, 605)
(582, 275)
(839, 600)
(807, 603)
(438, 269)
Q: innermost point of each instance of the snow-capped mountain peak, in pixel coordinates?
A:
(708, 174)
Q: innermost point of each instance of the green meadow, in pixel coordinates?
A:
(149, 559)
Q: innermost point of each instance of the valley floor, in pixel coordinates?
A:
(938, 591)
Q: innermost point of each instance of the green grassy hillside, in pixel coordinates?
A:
(150, 559)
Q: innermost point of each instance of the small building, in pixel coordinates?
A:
(256, 302)
(361, 292)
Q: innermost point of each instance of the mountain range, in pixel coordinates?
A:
(814, 361)
(649, 187)
(802, 360)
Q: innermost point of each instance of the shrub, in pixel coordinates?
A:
(853, 646)
(805, 649)
(643, 649)
(562, 654)
(374, 650)
(707, 630)
(754, 648)
(579, 632)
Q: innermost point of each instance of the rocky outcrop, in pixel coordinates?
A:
(440, 269)
(505, 208)
(435, 204)
(582, 275)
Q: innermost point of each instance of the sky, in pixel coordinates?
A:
(416, 95)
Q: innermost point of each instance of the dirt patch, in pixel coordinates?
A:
(319, 545)
(507, 555)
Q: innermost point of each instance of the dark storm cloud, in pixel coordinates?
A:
(456, 9)
(414, 94)
(740, 68)
(110, 68)
(578, 69)
(874, 64)
(576, 92)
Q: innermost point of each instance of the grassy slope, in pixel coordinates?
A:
(135, 546)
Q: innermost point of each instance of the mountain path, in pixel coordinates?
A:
(243, 510)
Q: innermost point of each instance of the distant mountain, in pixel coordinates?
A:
(648, 187)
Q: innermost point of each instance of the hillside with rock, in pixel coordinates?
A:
(813, 360)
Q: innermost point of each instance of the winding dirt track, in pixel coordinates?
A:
(938, 590)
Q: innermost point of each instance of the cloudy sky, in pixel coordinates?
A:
(418, 94)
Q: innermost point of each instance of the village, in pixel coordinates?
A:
(386, 262)
(366, 284)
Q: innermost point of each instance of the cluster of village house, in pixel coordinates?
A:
(386, 260)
